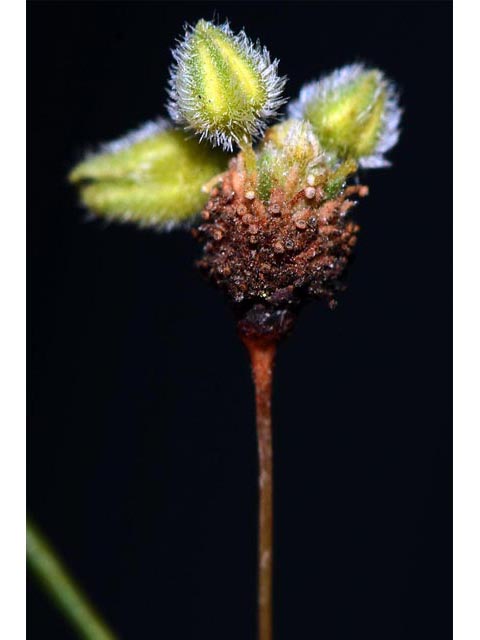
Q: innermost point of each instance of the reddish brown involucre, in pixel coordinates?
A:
(271, 257)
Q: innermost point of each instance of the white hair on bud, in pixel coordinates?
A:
(143, 132)
(301, 130)
(389, 134)
(183, 108)
(321, 89)
(331, 83)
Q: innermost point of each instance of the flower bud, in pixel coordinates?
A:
(292, 159)
(290, 152)
(152, 176)
(354, 112)
(222, 86)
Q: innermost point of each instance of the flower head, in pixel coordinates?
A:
(354, 112)
(222, 86)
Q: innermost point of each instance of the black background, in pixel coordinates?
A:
(141, 448)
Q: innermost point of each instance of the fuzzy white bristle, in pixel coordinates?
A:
(143, 132)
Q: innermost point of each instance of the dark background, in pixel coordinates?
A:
(141, 448)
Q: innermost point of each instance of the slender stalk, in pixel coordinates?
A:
(262, 356)
(250, 160)
(66, 595)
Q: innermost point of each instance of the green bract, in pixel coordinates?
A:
(354, 113)
(153, 176)
(222, 86)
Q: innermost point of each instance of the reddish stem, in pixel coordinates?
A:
(262, 356)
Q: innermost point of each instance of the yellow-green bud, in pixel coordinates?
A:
(291, 158)
(354, 112)
(152, 176)
(289, 154)
(222, 86)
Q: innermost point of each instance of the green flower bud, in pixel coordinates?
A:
(354, 112)
(289, 155)
(222, 86)
(292, 159)
(152, 176)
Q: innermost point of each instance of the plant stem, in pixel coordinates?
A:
(262, 356)
(64, 592)
(250, 160)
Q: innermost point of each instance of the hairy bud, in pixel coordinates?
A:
(289, 155)
(354, 112)
(152, 176)
(222, 86)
